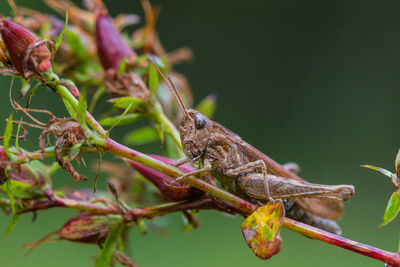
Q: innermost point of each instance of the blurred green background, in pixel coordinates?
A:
(315, 82)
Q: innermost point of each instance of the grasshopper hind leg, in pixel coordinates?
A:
(237, 166)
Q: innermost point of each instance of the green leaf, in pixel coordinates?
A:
(75, 150)
(261, 229)
(127, 119)
(82, 106)
(78, 48)
(208, 105)
(153, 79)
(70, 108)
(392, 208)
(96, 97)
(11, 197)
(36, 167)
(7, 135)
(160, 129)
(381, 170)
(122, 66)
(110, 246)
(11, 224)
(20, 190)
(17, 136)
(120, 118)
(53, 168)
(61, 36)
(126, 101)
(26, 85)
(32, 93)
(141, 136)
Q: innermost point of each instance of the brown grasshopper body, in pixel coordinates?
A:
(245, 171)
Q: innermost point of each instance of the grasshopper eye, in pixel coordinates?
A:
(200, 121)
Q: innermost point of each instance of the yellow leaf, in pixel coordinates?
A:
(261, 229)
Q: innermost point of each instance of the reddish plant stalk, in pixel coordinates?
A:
(339, 241)
(143, 212)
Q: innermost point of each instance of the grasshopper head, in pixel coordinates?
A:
(195, 129)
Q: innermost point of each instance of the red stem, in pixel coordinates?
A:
(339, 241)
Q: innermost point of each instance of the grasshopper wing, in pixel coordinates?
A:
(326, 208)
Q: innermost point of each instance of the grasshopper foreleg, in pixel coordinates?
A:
(182, 161)
(205, 169)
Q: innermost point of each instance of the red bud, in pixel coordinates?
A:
(3, 154)
(176, 192)
(26, 176)
(17, 40)
(84, 228)
(111, 47)
(45, 65)
(34, 180)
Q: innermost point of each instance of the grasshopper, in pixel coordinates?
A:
(246, 172)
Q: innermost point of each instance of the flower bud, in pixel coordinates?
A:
(172, 191)
(28, 182)
(17, 40)
(111, 47)
(30, 179)
(85, 228)
(26, 176)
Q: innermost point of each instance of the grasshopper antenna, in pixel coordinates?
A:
(171, 87)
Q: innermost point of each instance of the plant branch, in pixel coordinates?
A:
(339, 241)
(143, 212)
(54, 82)
(25, 157)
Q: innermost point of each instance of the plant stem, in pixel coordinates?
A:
(53, 81)
(366, 250)
(166, 123)
(25, 157)
(144, 212)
